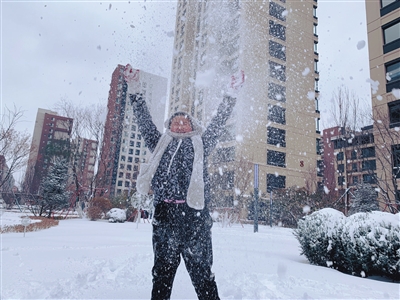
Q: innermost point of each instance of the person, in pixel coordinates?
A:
(177, 175)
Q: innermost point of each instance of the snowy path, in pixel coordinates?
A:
(80, 259)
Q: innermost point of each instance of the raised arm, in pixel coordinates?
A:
(217, 124)
(147, 128)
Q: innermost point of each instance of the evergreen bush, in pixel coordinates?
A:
(363, 244)
(317, 234)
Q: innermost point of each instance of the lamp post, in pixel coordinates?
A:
(255, 197)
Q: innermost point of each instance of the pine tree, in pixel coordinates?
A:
(365, 199)
(53, 187)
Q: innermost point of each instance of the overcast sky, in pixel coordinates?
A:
(55, 49)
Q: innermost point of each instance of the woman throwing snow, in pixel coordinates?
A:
(177, 175)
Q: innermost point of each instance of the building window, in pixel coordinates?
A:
(368, 165)
(119, 183)
(224, 155)
(277, 114)
(277, 71)
(341, 180)
(354, 154)
(393, 75)
(368, 152)
(316, 66)
(276, 92)
(315, 12)
(137, 152)
(391, 33)
(315, 47)
(277, 11)
(355, 180)
(275, 182)
(318, 146)
(315, 29)
(369, 178)
(226, 181)
(394, 113)
(340, 156)
(277, 30)
(276, 136)
(127, 183)
(130, 159)
(387, 2)
(354, 167)
(130, 151)
(396, 160)
(276, 158)
(136, 160)
(340, 168)
(122, 166)
(277, 50)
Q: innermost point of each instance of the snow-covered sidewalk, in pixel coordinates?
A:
(81, 259)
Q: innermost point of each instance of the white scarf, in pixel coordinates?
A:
(195, 194)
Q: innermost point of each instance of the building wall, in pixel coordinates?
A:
(384, 53)
(50, 138)
(218, 39)
(349, 160)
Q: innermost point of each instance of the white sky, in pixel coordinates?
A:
(55, 49)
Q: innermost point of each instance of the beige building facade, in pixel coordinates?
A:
(275, 123)
(383, 24)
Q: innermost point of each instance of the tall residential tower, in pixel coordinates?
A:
(275, 122)
(123, 148)
(383, 24)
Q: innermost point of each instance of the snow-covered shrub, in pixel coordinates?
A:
(372, 241)
(363, 244)
(318, 236)
(116, 215)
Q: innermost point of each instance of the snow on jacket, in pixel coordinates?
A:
(172, 176)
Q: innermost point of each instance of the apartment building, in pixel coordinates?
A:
(383, 25)
(349, 159)
(275, 124)
(123, 148)
(51, 138)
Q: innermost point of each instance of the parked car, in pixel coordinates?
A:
(116, 215)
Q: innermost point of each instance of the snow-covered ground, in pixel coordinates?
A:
(81, 259)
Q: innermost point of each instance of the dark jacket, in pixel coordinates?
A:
(173, 185)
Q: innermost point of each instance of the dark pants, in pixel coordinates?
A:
(180, 230)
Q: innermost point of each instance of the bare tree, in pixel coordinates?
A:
(14, 145)
(88, 124)
(347, 110)
(387, 141)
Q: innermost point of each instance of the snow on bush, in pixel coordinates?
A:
(363, 244)
(317, 234)
(116, 215)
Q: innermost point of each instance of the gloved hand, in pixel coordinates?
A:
(132, 78)
(236, 84)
